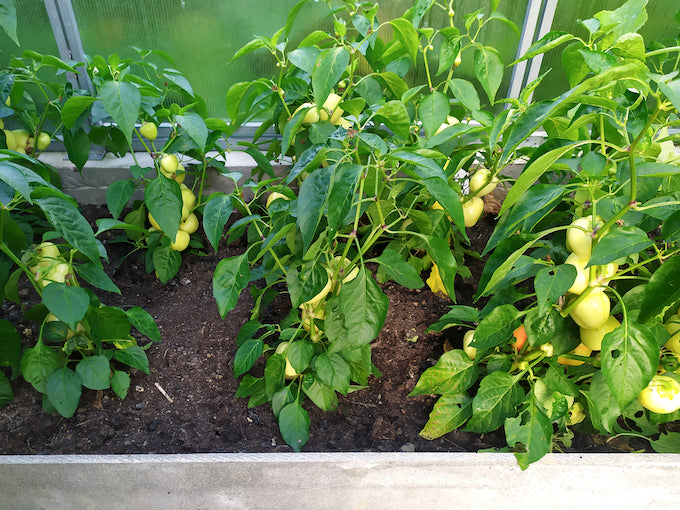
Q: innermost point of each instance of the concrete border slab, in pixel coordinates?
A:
(357, 481)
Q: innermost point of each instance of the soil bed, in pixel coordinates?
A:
(187, 403)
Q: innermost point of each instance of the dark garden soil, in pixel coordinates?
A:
(187, 403)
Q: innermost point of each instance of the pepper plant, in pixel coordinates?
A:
(132, 97)
(45, 241)
(583, 262)
(375, 178)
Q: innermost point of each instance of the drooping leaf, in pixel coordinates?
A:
(630, 356)
(453, 373)
(465, 92)
(312, 202)
(94, 372)
(333, 370)
(14, 176)
(660, 291)
(72, 226)
(356, 315)
(447, 266)
(133, 356)
(108, 323)
(305, 282)
(450, 412)
(166, 262)
(246, 355)
(433, 110)
(395, 116)
(6, 393)
(68, 304)
(118, 195)
(291, 129)
(299, 354)
(328, 69)
(556, 380)
(163, 198)
(395, 83)
(78, 146)
(262, 161)
(216, 214)
(405, 33)
(231, 276)
(120, 383)
(8, 19)
(144, 323)
(74, 107)
(552, 282)
(489, 70)
(602, 405)
(38, 364)
(544, 328)
(496, 399)
(449, 49)
(294, 425)
(195, 127)
(64, 389)
(497, 327)
(529, 434)
(323, 396)
(97, 277)
(399, 270)
(340, 200)
(122, 101)
(449, 200)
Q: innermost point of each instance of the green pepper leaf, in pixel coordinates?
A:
(630, 356)
(63, 390)
(294, 425)
(529, 434)
(449, 413)
(496, 399)
(453, 373)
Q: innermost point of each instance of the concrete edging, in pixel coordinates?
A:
(374, 481)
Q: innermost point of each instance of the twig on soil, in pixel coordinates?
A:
(160, 388)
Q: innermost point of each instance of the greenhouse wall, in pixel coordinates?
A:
(201, 36)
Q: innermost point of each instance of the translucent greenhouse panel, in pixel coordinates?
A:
(33, 31)
(202, 35)
(495, 34)
(660, 25)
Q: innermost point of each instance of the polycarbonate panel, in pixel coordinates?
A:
(496, 34)
(33, 30)
(202, 35)
(660, 25)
